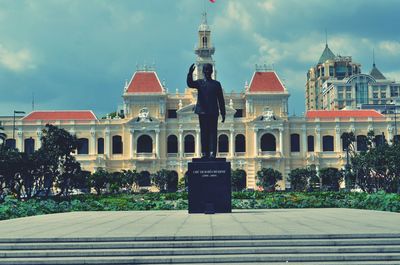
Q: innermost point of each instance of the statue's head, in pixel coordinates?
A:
(207, 70)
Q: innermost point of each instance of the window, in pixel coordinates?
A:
(189, 143)
(83, 146)
(268, 142)
(375, 95)
(204, 42)
(29, 146)
(144, 144)
(295, 142)
(172, 144)
(362, 143)
(327, 143)
(117, 146)
(10, 143)
(238, 113)
(223, 143)
(100, 146)
(172, 114)
(383, 94)
(310, 143)
(240, 143)
(331, 71)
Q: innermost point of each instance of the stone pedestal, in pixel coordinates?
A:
(209, 186)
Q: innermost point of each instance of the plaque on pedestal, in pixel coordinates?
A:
(209, 186)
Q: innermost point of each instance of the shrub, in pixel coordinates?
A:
(238, 179)
(330, 178)
(301, 179)
(267, 178)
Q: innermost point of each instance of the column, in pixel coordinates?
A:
(337, 139)
(92, 142)
(317, 139)
(255, 142)
(390, 135)
(303, 144)
(198, 142)
(38, 142)
(20, 142)
(157, 143)
(232, 143)
(107, 143)
(180, 143)
(132, 142)
(281, 140)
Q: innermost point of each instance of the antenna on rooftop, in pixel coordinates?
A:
(373, 57)
(326, 37)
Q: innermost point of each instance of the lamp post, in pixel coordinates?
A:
(16, 112)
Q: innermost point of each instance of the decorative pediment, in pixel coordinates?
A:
(144, 117)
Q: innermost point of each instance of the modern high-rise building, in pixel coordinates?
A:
(329, 67)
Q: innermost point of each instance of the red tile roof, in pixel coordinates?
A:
(58, 115)
(145, 82)
(266, 82)
(343, 114)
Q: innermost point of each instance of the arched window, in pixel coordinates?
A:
(189, 144)
(396, 139)
(294, 142)
(268, 142)
(117, 146)
(172, 182)
(223, 144)
(100, 146)
(83, 146)
(362, 143)
(310, 143)
(172, 144)
(29, 145)
(144, 144)
(10, 143)
(327, 143)
(380, 139)
(144, 179)
(205, 42)
(240, 143)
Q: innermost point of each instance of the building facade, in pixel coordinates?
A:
(159, 130)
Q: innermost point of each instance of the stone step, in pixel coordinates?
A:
(202, 259)
(198, 251)
(199, 238)
(199, 244)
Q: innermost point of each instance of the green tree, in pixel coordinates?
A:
(330, 178)
(348, 139)
(98, 180)
(378, 168)
(267, 178)
(301, 179)
(57, 164)
(238, 179)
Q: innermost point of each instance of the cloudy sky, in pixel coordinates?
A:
(75, 54)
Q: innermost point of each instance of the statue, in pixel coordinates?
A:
(210, 101)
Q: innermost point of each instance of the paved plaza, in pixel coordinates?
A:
(137, 224)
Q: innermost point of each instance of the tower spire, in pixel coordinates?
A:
(326, 37)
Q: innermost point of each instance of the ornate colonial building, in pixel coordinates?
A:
(160, 131)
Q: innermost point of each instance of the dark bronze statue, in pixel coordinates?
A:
(210, 101)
